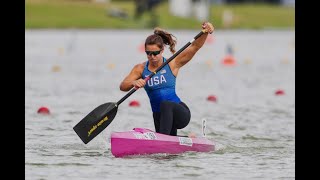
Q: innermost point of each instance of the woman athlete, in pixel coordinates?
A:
(169, 112)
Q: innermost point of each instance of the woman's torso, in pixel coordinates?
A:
(160, 86)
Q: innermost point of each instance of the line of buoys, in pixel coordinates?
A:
(43, 110)
(135, 103)
(210, 98)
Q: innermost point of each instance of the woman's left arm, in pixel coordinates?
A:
(185, 56)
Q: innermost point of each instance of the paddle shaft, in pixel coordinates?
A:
(134, 89)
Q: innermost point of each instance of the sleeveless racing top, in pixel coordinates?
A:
(160, 86)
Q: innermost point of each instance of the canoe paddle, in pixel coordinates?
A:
(99, 118)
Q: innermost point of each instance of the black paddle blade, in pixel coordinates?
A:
(96, 121)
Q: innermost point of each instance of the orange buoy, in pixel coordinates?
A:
(43, 110)
(134, 103)
(212, 98)
(279, 92)
(228, 60)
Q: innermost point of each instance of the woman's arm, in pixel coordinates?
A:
(133, 78)
(185, 56)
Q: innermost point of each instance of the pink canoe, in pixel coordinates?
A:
(140, 141)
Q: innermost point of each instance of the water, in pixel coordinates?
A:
(73, 71)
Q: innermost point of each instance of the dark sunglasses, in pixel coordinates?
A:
(149, 53)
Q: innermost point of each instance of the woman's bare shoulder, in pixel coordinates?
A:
(140, 65)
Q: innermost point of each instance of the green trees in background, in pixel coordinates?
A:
(124, 14)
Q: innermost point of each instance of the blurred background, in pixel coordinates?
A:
(171, 14)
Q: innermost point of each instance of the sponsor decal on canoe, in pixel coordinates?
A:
(146, 135)
(185, 141)
(97, 125)
(150, 135)
(138, 135)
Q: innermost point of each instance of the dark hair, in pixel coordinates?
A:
(161, 38)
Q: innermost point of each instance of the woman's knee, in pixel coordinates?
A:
(182, 123)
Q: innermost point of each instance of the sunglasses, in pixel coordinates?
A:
(149, 53)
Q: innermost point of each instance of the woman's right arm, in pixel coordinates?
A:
(133, 78)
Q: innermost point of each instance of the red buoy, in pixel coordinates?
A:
(212, 98)
(134, 103)
(43, 110)
(279, 92)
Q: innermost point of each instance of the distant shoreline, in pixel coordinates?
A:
(64, 14)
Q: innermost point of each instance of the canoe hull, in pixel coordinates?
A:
(142, 141)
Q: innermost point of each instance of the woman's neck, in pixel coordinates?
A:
(155, 65)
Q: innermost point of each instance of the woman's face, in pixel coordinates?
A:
(154, 53)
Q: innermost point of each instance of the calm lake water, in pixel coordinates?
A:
(73, 71)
